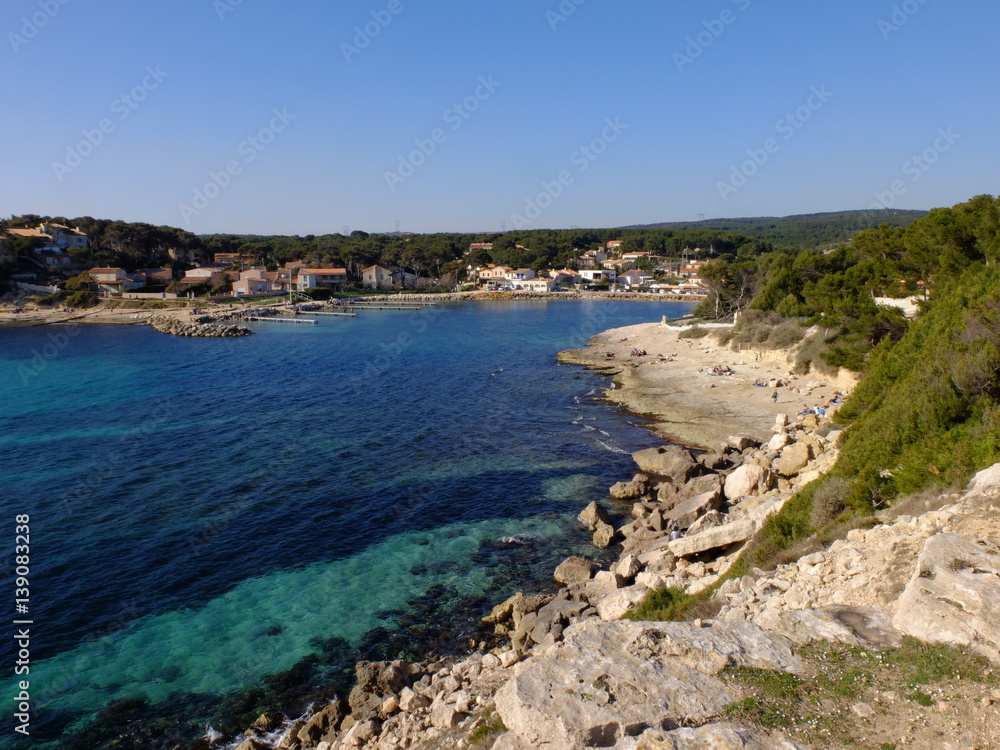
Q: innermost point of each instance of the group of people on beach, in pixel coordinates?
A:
(721, 370)
(637, 353)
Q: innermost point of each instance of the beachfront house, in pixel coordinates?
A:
(254, 281)
(534, 285)
(494, 274)
(111, 281)
(377, 277)
(211, 275)
(565, 277)
(635, 280)
(520, 274)
(598, 275)
(313, 278)
(281, 280)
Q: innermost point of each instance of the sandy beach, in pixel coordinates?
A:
(670, 385)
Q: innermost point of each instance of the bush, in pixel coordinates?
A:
(829, 501)
(319, 293)
(693, 332)
(809, 355)
(663, 604)
(785, 336)
(82, 299)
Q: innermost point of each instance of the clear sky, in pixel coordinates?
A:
(307, 117)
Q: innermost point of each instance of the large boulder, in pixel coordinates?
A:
(604, 534)
(592, 515)
(620, 602)
(574, 570)
(667, 461)
(794, 459)
(866, 627)
(608, 681)
(628, 490)
(715, 538)
(954, 595)
(691, 510)
(323, 726)
(749, 479)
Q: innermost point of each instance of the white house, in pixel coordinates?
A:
(535, 285)
(635, 279)
(520, 274)
(596, 275)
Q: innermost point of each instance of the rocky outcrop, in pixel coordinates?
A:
(667, 461)
(609, 682)
(954, 595)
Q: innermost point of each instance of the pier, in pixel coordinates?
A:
(283, 320)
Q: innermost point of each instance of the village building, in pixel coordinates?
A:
(314, 278)
(597, 275)
(534, 285)
(111, 281)
(635, 279)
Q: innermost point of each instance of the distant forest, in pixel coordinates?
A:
(805, 231)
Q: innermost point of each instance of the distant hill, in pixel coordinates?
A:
(803, 230)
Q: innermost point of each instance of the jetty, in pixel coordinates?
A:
(282, 320)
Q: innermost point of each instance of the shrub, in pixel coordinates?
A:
(785, 336)
(663, 604)
(82, 299)
(829, 501)
(809, 355)
(693, 332)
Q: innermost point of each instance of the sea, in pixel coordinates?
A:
(196, 530)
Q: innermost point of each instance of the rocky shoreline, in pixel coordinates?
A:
(572, 673)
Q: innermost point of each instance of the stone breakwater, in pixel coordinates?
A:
(576, 675)
(203, 327)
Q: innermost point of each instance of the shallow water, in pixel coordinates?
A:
(204, 512)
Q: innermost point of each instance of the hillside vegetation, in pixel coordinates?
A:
(926, 412)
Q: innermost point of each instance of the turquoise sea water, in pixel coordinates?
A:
(206, 514)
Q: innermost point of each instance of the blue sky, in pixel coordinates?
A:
(304, 118)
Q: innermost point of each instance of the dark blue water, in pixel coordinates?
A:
(203, 510)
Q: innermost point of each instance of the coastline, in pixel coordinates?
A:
(103, 315)
(688, 407)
